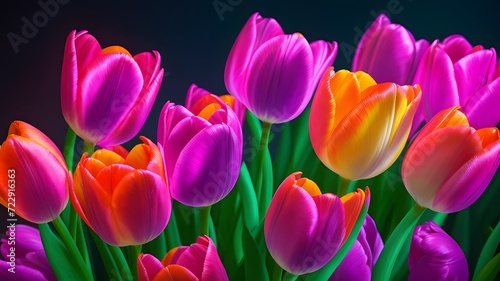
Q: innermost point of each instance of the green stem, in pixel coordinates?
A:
(107, 257)
(278, 273)
(72, 248)
(133, 253)
(343, 187)
(81, 243)
(266, 129)
(120, 260)
(172, 236)
(69, 148)
(488, 250)
(88, 147)
(385, 263)
(204, 220)
(290, 277)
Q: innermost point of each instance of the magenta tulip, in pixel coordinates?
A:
(304, 229)
(107, 94)
(451, 73)
(23, 257)
(434, 255)
(450, 164)
(272, 73)
(389, 52)
(202, 148)
(199, 261)
(358, 263)
(34, 179)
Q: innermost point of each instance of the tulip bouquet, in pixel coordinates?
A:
(387, 172)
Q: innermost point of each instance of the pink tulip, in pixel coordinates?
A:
(203, 147)
(304, 229)
(272, 73)
(451, 73)
(199, 261)
(27, 261)
(107, 94)
(34, 179)
(450, 164)
(389, 52)
(434, 255)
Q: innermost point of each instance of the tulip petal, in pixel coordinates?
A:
(434, 159)
(207, 167)
(456, 46)
(106, 157)
(135, 118)
(175, 273)
(26, 130)
(354, 266)
(139, 225)
(148, 267)
(170, 116)
(473, 72)
(281, 69)
(146, 156)
(41, 182)
(436, 76)
(194, 94)
(353, 204)
(22, 273)
(482, 107)
(390, 45)
(378, 117)
(255, 32)
(107, 86)
(80, 49)
(324, 54)
(468, 183)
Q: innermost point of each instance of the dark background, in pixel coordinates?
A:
(194, 39)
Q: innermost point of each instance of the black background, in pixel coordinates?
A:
(194, 40)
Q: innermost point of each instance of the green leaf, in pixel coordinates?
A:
(488, 251)
(246, 190)
(490, 270)
(60, 259)
(255, 266)
(267, 185)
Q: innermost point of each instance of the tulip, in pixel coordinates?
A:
(107, 94)
(125, 201)
(199, 261)
(389, 52)
(196, 93)
(272, 73)
(27, 262)
(203, 146)
(454, 73)
(358, 263)
(304, 229)
(449, 164)
(358, 128)
(434, 255)
(34, 178)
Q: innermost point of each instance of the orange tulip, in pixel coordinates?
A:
(125, 200)
(358, 128)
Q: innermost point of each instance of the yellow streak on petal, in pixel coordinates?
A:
(169, 256)
(353, 203)
(108, 157)
(344, 87)
(228, 99)
(208, 110)
(309, 186)
(488, 136)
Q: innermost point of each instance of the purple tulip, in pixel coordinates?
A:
(23, 258)
(451, 73)
(358, 263)
(272, 73)
(389, 52)
(107, 94)
(202, 148)
(434, 255)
